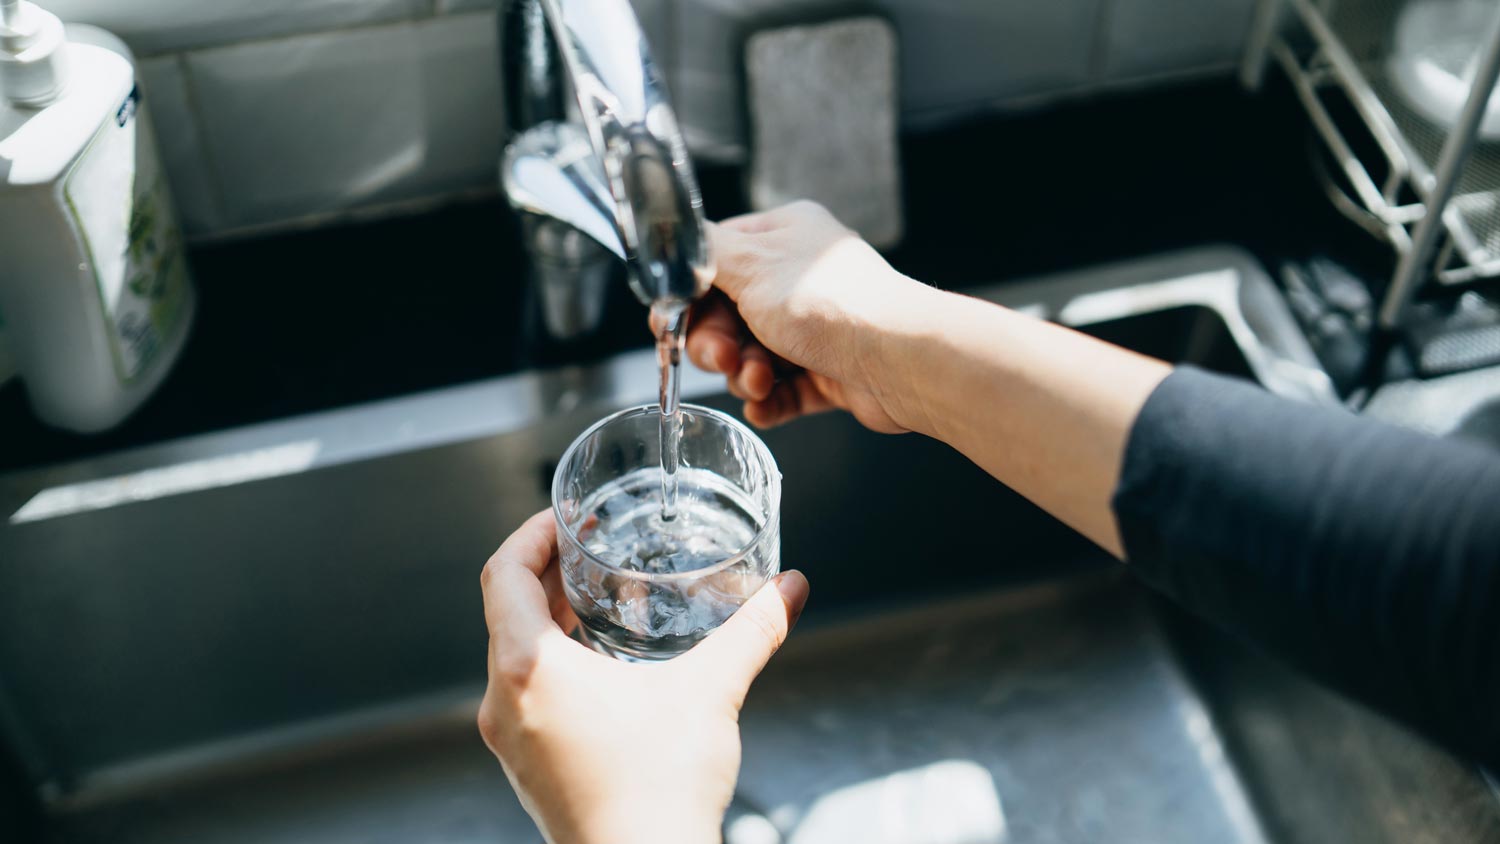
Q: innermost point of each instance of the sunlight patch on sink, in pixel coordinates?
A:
(1221, 774)
(1215, 288)
(954, 801)
(193, 476)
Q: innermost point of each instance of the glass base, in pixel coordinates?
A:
(599, 646)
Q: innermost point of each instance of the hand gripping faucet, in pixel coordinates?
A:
(595, 162)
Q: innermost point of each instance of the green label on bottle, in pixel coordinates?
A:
(119, 201)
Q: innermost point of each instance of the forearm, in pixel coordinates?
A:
(1366, 554)
(1044, 409)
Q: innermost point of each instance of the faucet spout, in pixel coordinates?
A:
(593, 142)
(550, 171)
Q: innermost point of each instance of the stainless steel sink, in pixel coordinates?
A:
(273, 634)
(1465, 406)
(1483, 423)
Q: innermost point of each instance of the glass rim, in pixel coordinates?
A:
(773, 518)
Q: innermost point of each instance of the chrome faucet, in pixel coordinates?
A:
(595, 162)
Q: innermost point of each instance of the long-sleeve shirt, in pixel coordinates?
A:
(1367, 554)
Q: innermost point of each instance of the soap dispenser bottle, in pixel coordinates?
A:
(94, 283)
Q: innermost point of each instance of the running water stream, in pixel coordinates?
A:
(670, 318)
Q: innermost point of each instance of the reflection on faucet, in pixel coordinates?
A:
(594, 147)
(550, 171)
(571, 272)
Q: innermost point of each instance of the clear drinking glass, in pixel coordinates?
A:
(646, 588)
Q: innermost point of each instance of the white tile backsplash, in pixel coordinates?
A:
(956, 55)
(461, 106)
(452, 7)
(153, 26)
(1154, 37)
(338, 121)
(180, 144)
(313, 124)
(961, 54)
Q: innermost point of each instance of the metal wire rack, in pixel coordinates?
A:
(1429, 187)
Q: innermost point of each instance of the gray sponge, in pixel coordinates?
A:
(823, 114)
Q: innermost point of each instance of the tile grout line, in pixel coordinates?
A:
(408, 20)
(1099, 50)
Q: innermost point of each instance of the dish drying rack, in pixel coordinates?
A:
(1410, 164)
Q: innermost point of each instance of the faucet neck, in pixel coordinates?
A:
(582, 67)
(532, 77)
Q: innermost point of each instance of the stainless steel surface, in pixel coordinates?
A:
(579, 77)
(273, 634)
(1466, 405)
(1242, 306)
(288, 536)
(1050, 714)
(1320, 769)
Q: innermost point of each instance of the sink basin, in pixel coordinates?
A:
(273, 633)
(1483, 424)
(1465, 406)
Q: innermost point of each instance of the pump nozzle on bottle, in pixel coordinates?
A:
(32, 54)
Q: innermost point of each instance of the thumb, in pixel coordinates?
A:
(732, 656)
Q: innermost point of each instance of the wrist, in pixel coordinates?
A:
(900, 351)
(639, 825)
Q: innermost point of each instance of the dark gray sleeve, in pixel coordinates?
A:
(1366, 554)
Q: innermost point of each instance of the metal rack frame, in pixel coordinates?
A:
(1428, 246)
